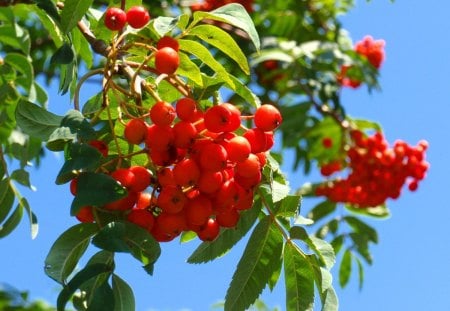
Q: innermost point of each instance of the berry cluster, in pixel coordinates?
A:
(209, 5)
(137, 17)
(373, 50)
(203, 168)
(377, 171)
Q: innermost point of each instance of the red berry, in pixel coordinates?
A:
(159, 138)
(186, 109)
(124, 176)
(101, 146)
(222, 118)
(142, 218)
(185, 134)
(209, 231)
(162, 113)
(198, 210)
(213, 157)
(137, 17)
(267, 118)
(209, 181)
(166, 60)
(171, 199)
(143, 178)
(250, 167)
(167, 41)
(135, 131)
(145, 201)
(115, 19)
(73, 186)
(186, 173)
(85, 214)
(238, 149)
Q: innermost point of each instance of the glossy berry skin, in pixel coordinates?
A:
(267, 118)
(135, 131)
(142, 218)
(209, 231)
(167, 41)
(162, 113)
(166, 60)
(115, 19)
(137, 17)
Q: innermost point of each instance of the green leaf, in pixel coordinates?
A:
(23, 65)
(90, 287)
(233, 14)
(299, 279)
(103, 295)
(126, 237)
(208, 251)
(362, 228)
(72, 13)
(59, 138)
(123, 295)
(261, 258)
(345, 270)
(321, 210)
(34, 227)
(223, 42)
(51, 25)
(289, 206)
(380, 211)
(64, 55)
(16, 37)
(360, 272)
(81, 277)
(22, 177)
(6, 198)
(330, 302)
(322, 248)
(36, 121)
(96, 189)
(67, 250)
(163, 24)
(361, 242)
(78, 124)
(12, 222)
(189, 69)
(279, 191)
(50, 8)
(244, 92)
(204, 55)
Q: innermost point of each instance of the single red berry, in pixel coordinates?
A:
(123, 204)
(171, 224)
(85, 214)
(171, 199)
(167, 41)
(73, 186)
(137, 17)
(267, 118)
(162, 113)
(238, 149)
(101, 146)
(135, 131)
(222, 118)
(210, 182)
(213, 157)
(159, 138)
(209, 231)
(198, 210)
(166, 60)
(115, 19)
(257, 139)
(228, 218)
(186, 109)
(142, 218)
(186, 173)
(184, 133)
(124, 176)
(249, 167)
(143, 178)
(145, 200)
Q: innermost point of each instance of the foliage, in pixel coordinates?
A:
(291, 54)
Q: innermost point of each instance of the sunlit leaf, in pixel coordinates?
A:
(72, 13)
(261, 258)
(67, 250)
(299, 279)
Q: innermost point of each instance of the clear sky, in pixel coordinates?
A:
(411, 269)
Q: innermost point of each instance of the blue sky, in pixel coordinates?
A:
(411, 269)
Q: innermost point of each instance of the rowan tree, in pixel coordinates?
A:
(184, 136)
